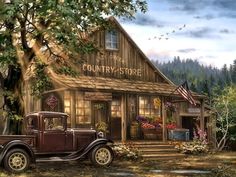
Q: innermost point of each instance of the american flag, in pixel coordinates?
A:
(184, 91)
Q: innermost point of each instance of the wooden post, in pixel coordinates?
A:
(202, 115)
(73, 108)
(123, 118)
(163, 113)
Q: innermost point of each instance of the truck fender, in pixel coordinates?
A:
(96, 143)
(16, 144)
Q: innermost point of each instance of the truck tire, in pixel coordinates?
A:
(102, 155)
(16, 161)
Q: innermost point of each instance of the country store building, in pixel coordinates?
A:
(117, 86)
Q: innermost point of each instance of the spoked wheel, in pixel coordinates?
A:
(16, 161)
(102, 155)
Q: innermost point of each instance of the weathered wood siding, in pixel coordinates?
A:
(128, 62)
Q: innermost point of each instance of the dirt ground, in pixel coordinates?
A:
(218, 165)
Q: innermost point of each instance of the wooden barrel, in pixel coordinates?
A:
(134, 131)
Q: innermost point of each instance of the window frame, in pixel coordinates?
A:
(148, 108)
(111, 39)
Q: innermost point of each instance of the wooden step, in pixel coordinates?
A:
(163, 156)
(158, 151)
(155, 150)
(157, 146)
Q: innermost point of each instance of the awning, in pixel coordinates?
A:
(117, 85)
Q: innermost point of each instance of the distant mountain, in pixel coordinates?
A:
(201, 79)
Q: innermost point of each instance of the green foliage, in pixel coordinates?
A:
(225, 106)
(41, 81)
(202, 79)
(67, 70)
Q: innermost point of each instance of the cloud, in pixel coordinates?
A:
(203, 32)
(189, 50)
(207, 17)
(225, 31)
(164, 55)
(228, 14)
(144, 20)
(223, 7)
(225, 4)
(188, 5)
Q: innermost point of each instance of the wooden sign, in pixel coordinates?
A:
(52, 102)
(93, 96)
(112, 70)
(194, 110)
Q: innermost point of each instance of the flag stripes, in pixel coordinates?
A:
(184, 91)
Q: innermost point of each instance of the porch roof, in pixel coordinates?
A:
(111, 84)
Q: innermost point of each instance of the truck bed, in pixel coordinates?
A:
(29, 139)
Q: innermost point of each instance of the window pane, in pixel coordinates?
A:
(111, 39)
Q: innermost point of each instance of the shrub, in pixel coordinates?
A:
(197, 146)
(126, 151)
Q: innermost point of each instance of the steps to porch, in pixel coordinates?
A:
(155, 150)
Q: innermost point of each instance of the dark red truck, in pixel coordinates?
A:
(47, 138)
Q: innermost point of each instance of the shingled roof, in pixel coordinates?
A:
(117, 85)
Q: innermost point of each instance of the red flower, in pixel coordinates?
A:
(171, 126)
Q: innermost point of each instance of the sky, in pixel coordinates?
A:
(204, 30)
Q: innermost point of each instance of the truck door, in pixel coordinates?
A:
(54, 134)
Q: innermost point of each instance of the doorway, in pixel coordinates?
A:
(190, 123)
(100, 112)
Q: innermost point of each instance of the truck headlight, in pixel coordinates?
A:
(100, 135)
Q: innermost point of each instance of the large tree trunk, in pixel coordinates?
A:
(13, 101)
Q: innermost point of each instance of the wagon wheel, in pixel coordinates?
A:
(16, 161)
(102, 155)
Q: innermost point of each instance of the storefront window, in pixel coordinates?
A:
(67, 105)
(148, 106)
(116, 108)
(83, 110)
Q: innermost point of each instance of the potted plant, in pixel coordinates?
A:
(102, 127)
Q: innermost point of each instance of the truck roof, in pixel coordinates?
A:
(46, 113)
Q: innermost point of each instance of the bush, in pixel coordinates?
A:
(197, 146)
(126, 151)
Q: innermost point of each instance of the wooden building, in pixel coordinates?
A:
(115, 85)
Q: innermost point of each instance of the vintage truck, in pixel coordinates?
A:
(47, 138)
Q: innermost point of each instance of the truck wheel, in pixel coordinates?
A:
(16, 161)
(102, 155)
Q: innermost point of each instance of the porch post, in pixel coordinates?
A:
(73, 109)
(123, 119)
(163, 113)
(202, 115)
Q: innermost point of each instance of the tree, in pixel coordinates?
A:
(225, 109)
(233, 72)
(30, 29)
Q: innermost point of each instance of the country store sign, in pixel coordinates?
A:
(112, 70)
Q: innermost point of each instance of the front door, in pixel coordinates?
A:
(100, 112)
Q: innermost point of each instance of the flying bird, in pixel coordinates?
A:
(159, 38)
(167, 38)
(184, 26)
(167, 33)
(180, 28)
(173, 31)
